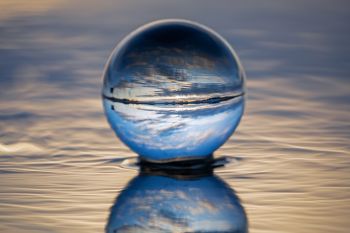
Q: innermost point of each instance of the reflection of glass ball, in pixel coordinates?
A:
(173, 89)
(154, 203)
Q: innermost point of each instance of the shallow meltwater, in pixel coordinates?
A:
(285, 170)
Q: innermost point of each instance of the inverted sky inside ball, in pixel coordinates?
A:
(173, 89)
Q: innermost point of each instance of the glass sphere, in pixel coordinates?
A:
(157, 203)
(173, 90)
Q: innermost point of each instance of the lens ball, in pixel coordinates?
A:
(173, 90)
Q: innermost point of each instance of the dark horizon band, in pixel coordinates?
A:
(212, 100)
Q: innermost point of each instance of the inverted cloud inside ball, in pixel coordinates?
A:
(173, 89)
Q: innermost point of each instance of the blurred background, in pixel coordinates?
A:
(61, 165)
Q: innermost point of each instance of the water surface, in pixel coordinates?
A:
(60, 164)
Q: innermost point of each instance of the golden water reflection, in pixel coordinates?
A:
(60, 163)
